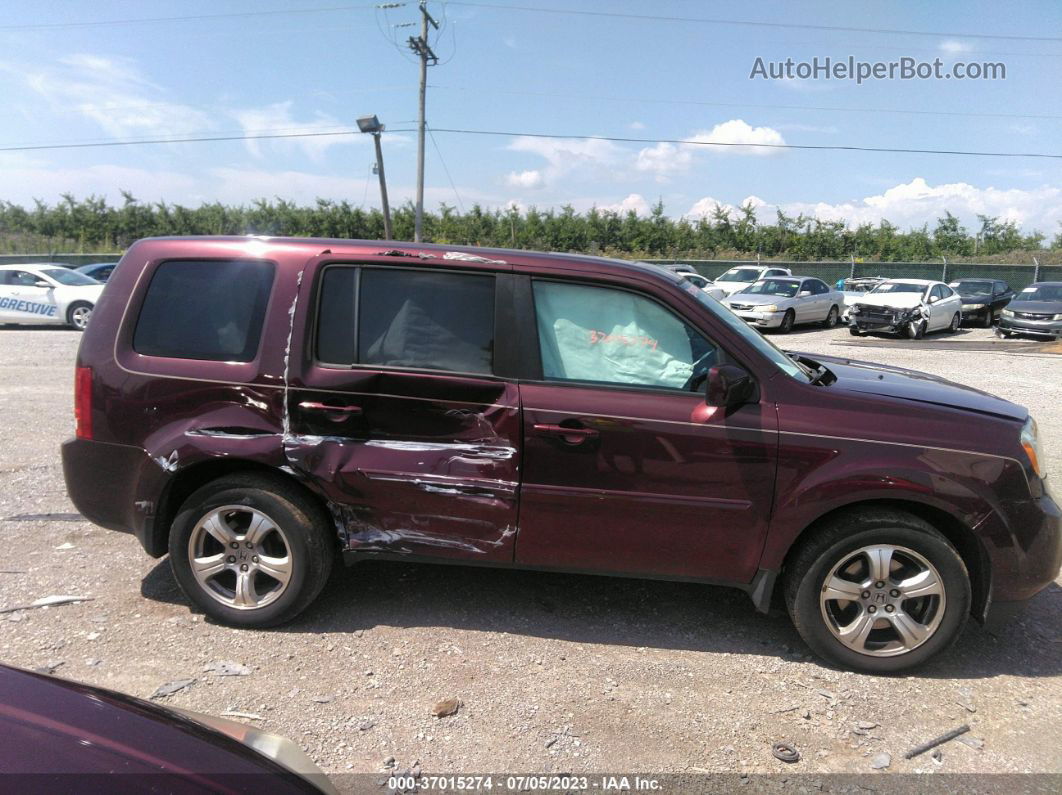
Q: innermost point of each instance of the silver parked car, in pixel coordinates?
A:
(781, 302)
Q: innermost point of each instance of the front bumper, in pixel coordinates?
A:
(760, 319)
(970, 315)
(1042, 328)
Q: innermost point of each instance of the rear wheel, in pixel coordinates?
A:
(78, 315)
(251, 550)
(788, 321)
(831, 318)
(878, 590)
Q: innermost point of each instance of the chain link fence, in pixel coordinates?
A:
(1017, 276)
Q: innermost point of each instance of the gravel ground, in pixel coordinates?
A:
(556, 673)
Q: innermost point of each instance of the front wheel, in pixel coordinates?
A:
(788, 321)
(251, 550)
(878, 591)
(916, 329)
(955, 321)
(854, 331)
(78, 315)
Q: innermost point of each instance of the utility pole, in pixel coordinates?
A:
(423, 50)
(383, 188)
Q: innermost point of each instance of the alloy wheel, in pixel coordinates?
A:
(240, 557)
(883, 600)
(80, 317)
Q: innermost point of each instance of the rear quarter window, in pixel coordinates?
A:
(204, 309)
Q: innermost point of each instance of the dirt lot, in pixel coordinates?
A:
(557, 673)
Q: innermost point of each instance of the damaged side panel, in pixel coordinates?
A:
(407, 473)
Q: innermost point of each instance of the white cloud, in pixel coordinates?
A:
(740, 138)
(917, 202)
(532, 178)
(114, 94)
(955, 47)
(664, 160)
(277, 118)
(634, 201)
(567, 155)
(636, 125)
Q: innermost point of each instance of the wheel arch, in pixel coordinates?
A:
(188, 479)
(962, 537)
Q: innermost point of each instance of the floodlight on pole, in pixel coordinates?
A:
(372, 126)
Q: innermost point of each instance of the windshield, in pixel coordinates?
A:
(970, 289)
(750, 335)
(1043, 292)
(898, 287)
(786, 288)
(740, 275)
(69, 278)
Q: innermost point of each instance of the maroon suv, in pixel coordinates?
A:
(257, 406)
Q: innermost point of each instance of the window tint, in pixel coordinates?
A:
(197, 309)
(614, 336)
(1001, 287)
(433, 321)
(21, 278)
(335, 316)
(818, 287)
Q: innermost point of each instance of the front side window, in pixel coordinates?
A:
(898, 287)
(204, 309)
(406, 318)
(740, 275)
(787, 288)
(612, 336)
(69, 277)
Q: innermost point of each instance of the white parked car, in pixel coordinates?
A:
(781, 302)
(737, 279)
(47, 294)
(912, 307)
(703, 284)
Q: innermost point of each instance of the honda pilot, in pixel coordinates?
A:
(259, 408)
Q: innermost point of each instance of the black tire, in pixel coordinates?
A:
(988, 317)
(806, 573)
(854, 331)
(76, 317)
(956, 321)
(788, 321)
(831, 317)
(1004, 334)
(307, 532)
(916, 329)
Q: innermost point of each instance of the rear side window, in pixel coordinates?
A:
(407, 318)
(205, 309)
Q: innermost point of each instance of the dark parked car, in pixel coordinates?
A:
(1036, 310)
(982, 299)
(256, 407)
(100, 271)
(68, 737)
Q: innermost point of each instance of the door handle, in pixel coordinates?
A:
(569, 435)
(313, 405)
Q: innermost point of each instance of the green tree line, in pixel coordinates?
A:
(92, 224)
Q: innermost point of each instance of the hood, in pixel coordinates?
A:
(754, 300)
(894, 300)
(1036, 307)
(732, 287)
(975, 299)
(897, 382)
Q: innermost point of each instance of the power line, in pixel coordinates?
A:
(562, 136)
(663, 101)
(438, 151)
(749, 23)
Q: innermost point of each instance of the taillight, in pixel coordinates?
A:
(83, 402)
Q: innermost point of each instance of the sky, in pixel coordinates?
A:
(521, 66)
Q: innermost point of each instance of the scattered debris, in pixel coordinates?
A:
(389, 762)
(447, 707)
(365, 725)
(785, 752)
(806, 714)
(965, 700)
(866, 725)
(938, 756)
(170, 688)
(881, 761)
(827, 694)
(323, 699)
(92, 662)
(231, 713)
(46, 517)
(47, 601)
(226, 668)
(972, 742)
(12, 571)
(49, 667)
(551, 742)
(67, 545)
(787, 709)
(921, 749)
(966, 705)
(93, 635)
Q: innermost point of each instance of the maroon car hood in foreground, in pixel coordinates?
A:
(879, 379)
(65, 736)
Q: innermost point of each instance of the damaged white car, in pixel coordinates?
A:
(911, 307)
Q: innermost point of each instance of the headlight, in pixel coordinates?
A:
(770, 308)
(1007, 313)
(973, 307)
(855, 310)
(1057, 317)
(1030, 441)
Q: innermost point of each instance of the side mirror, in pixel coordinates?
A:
(804, 293)
(41, 283)
(728, 386)
(933, 299)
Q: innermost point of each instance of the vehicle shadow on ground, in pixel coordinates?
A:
(619, 611)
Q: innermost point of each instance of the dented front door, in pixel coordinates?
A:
(412, 463)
